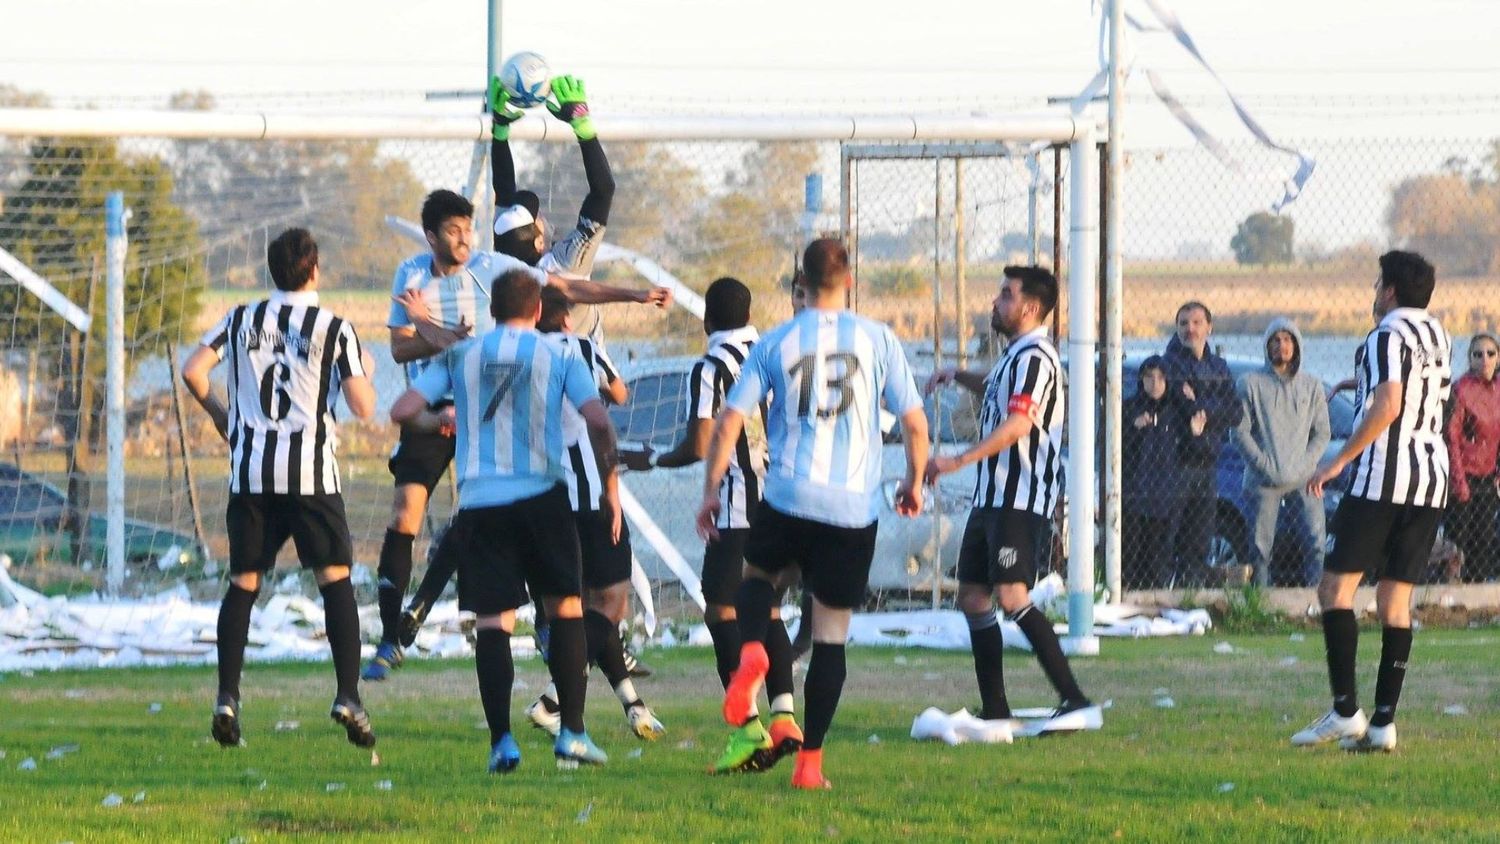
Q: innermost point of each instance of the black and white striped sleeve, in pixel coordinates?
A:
(1033, 388)
(704, 396)
(608, 372)
(350, 353)
(217, 338)
(1390, 359)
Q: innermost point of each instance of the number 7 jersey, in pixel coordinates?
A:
(827, 373)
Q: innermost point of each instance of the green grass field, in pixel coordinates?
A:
(1151, 774)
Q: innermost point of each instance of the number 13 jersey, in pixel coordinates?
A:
(827, 373)
(287, 359)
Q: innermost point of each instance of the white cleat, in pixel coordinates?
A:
(1381, 739)
(540, 718)
(1067, 719)
(1334, 727)
(644, 724)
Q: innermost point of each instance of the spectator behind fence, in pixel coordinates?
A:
(1473, 436)
(1198, 381)
(1283, 433)
(1155, 436)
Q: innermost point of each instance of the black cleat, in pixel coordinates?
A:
(355, 721)
(411, 621)
(226, 724)
(633, 663)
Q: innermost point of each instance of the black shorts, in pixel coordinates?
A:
(1001, 545)
(260, 523)
(1394, 541)
(505, 549)
(724, 566)
(421, 457)
(835, 561)
(605, 563)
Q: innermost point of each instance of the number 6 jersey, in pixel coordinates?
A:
(287, 358)
(827, 373)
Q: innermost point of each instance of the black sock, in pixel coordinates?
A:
(1395, 650)
(440, 569)
(726, 636)
(1048, 651)
(804, 627)
(234, 629)
(824, 685)
(989, 667)
(1341, 639)
(497, 674)
(341, 617)
(779, 650)
(569, 666)
(753, 606)
(394, 572)
(604, 646)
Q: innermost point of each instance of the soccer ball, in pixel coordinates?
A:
(527, 79)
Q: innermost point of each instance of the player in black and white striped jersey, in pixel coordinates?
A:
(603, 535)
(1389, 516)
(1016, 490)
(289, 360)
(726, 321)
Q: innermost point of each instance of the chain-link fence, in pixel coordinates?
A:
(204, 210)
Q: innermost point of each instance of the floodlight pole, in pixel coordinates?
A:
(1113, 309)
(114, 396)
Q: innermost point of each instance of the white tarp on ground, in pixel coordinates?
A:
(37, 632)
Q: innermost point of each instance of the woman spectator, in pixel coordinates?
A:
(1473, 436)
(1156, 437)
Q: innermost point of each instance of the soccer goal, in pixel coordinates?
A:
(697, 197)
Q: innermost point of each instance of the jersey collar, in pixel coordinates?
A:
(746, 333)
(1030, 338)
(295, 298)
(1398, 314)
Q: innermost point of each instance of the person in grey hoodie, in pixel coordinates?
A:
(1283, 435)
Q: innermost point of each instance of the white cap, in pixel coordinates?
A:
(513, 218)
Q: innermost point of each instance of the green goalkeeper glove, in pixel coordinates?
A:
(570, 106)
(501, 114)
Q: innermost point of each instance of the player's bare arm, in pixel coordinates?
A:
(615, 392)
(1385, 407)
(914, 436)
(971, 381)
(1017, 425)
(359, 392)
(584, 291)
(195, 377)
(411, 410)
(689, 450)
(726, 431)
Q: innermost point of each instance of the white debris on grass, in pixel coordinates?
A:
(1296, 637)
(140, 797)
(334, 786)
(384, 785)
(1223, 648)
(38, 632)
(154, 708)
(583, 816)
(1165, 703)
(111, 800)
(287, 726)
(27, 764)
(1288, 661)
(1226, 787)
(1455, 709)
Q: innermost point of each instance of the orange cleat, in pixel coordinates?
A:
(786, 738)
(744, 686)
(809, 771)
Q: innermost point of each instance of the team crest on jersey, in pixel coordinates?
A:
(1005, 558)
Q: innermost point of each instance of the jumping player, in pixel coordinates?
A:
(289, 360)
(440, 297)
(1016, 490)
(514, 528)
(1388, 518)
(603, 535)
(826, 371)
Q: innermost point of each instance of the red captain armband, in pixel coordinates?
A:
(1023, 403)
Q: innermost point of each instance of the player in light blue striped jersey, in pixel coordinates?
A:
(514, 528)
(827, 372)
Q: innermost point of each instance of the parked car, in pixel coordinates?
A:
(34, 526)
(905, 548)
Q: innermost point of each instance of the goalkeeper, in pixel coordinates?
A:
(520, 232)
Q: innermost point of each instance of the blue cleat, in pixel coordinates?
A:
(544, 641)
(505, 756)
(572, 748)
(388, 657)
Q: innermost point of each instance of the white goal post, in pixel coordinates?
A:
(1080, 133)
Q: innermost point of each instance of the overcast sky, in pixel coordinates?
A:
(857, 56)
